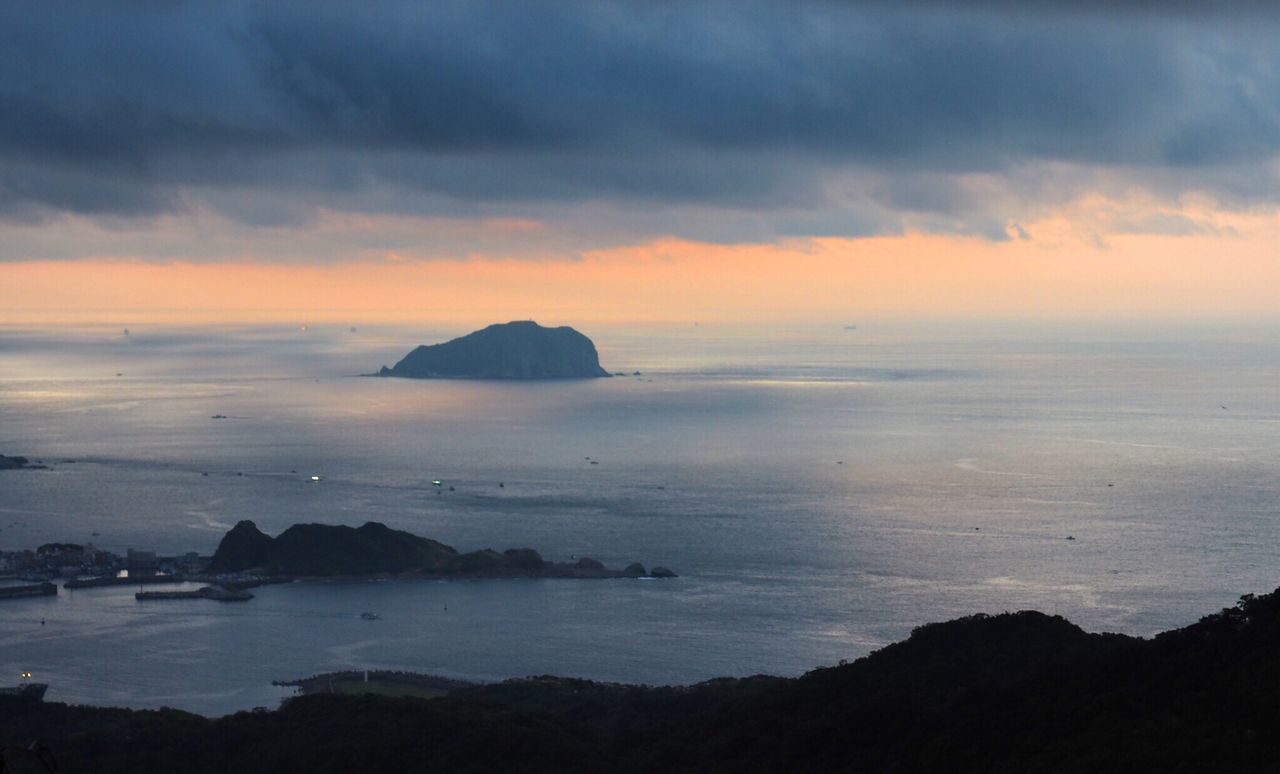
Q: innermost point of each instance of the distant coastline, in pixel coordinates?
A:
(19, 463)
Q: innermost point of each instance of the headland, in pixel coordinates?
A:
(373, 549)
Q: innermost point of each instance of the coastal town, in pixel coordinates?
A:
(70, 561)
(32, 573)
(247, 558)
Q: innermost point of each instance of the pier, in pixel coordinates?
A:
(139, 580)
(33, 590)
(217, 593)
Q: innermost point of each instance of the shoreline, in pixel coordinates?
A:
(979, 692)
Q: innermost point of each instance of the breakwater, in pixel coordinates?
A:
(33, 590)
(217, 593)
(141, 580)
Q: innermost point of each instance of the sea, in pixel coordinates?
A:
(820, 490)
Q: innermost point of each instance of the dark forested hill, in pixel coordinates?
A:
(1016, 692)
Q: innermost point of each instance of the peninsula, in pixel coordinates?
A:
(323, 550)
(514, 350)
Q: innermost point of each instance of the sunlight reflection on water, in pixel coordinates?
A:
(821, 492)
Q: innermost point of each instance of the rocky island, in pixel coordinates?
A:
(322, 550)
(514, 350)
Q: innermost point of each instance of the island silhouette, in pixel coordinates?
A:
(521, 349)
(325, 550)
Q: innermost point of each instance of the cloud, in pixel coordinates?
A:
(658, 117)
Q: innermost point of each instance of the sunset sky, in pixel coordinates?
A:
(632, 161)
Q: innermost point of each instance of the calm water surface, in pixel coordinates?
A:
(821, 492)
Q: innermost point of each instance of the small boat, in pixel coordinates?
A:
(367, 616)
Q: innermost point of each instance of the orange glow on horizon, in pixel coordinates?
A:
(1231, 269)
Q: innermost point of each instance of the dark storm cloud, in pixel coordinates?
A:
(136, 108)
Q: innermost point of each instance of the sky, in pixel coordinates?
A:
(588, 161)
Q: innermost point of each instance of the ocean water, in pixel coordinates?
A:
(821, 492)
